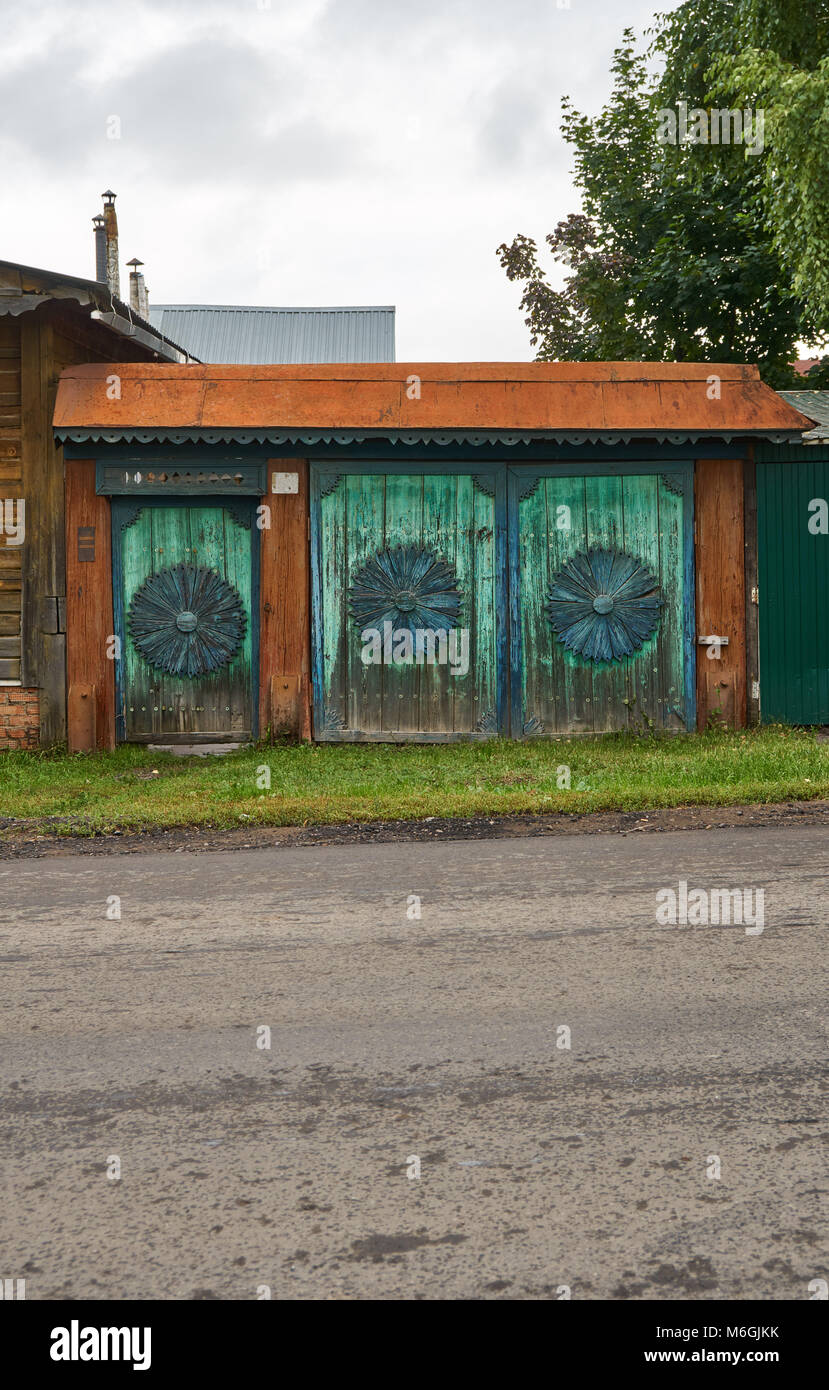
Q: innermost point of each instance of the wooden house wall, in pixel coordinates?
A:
(11, 487)
(51, 338)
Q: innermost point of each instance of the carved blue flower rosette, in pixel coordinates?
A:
(187, 620)
(603, 605)
(408, 586)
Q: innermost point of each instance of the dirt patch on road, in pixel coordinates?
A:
(19, 841)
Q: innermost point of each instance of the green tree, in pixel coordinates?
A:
(671, 255)
(782, 67)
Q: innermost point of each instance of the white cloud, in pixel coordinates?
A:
(372, 151)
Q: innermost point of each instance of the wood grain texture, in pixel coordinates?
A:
(285, 607)
(449, 517)
(563, 692)
(158, 704)
(11, 487)
(89, 620)
(720, 560)
(617, 396)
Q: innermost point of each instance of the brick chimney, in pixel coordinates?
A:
(139, 300)
(111, 233)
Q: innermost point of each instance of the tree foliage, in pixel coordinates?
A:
(677, 252)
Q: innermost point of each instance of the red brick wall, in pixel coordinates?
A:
(19, 717)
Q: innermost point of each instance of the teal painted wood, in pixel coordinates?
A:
(557, 691)
(360, 510)
(793, 574)
(364, 517)
(152, 536)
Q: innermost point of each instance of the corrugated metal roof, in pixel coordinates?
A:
(248, 334)
(815, 404)
(590, 399)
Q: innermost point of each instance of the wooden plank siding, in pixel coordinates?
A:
(721, 591)
(11, 487)
(52, 337)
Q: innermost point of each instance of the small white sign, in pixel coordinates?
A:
(285, 482)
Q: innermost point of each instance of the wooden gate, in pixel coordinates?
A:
(185, 582)
(603, 600)
(574, 588)
(409, 576)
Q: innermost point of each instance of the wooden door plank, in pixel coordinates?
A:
(335, 617)
(363, 516)
(403, 526)
(640, 507)
(571, 679)
(671, 643)
(482, 620)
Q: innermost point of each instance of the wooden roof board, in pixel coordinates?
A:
(628, 397)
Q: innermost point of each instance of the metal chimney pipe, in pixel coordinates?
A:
(139, 299)
(111, 229)
(100, 249)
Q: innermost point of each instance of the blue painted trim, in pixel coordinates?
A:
(408, 439)
(516, 660)
(122, 508)
(119, 511)
(399, 458)
(502, 591)
(317, 635)
(689, 586)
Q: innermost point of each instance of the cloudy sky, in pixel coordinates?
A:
(304, 151)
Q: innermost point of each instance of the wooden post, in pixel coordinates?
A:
(81, 719)
(720, 574)
(89, 621)
(285, 591)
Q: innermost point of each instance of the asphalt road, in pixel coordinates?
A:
(694, 1051)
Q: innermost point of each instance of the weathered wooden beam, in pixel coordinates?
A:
(89, 620)
(81, 718)
(720, 576)
(285, 624)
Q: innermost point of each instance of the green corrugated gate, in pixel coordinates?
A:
(793, 565)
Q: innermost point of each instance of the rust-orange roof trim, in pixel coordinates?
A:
(632, 398)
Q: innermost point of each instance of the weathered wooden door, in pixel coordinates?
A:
(793, 570)
(409, 604)
(186, 601)
(602, 577)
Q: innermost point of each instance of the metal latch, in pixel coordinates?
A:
(714, 644)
